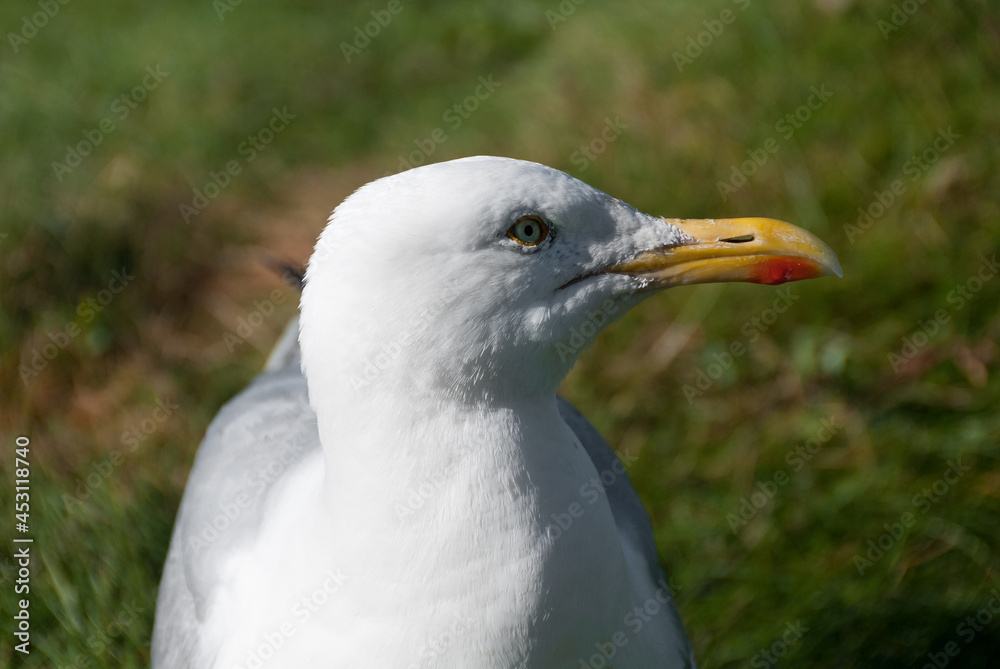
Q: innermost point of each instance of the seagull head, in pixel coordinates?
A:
(485, 278)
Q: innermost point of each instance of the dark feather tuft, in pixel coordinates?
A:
(292, 273)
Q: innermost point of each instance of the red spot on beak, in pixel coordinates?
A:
(774, 270)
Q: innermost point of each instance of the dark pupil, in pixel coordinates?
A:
(529, 231)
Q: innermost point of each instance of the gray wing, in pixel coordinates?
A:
(634, 526)
(254, 438)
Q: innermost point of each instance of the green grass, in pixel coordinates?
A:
(97, 560)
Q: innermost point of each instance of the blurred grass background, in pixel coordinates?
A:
(116, 414)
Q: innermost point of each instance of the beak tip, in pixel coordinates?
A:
(832, 262)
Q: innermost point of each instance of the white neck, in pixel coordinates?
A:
(446, 467)
(443, 511)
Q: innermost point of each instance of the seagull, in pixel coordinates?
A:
(401, 488)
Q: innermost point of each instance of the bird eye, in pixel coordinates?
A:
(529, 231)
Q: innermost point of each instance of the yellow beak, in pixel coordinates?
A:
(757, 250)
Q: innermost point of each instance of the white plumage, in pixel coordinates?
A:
(420, 497)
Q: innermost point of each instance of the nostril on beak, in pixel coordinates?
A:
(738, 240)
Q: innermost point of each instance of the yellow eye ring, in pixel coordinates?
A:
(529, 231)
